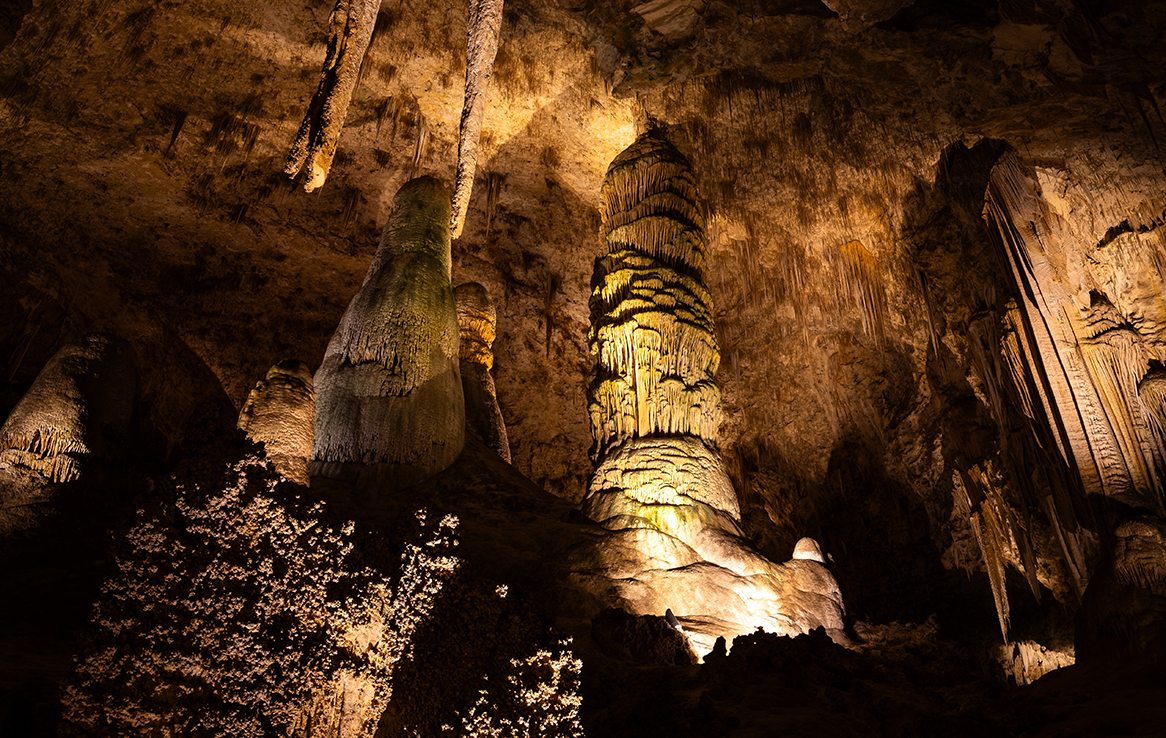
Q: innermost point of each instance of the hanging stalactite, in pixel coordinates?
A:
(483, 32)
(350, 30)
(861, 283)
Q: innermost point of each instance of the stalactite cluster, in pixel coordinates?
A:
(1117, 359)
(862, 284)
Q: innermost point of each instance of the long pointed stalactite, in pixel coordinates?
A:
(350, 30)
(483, 31)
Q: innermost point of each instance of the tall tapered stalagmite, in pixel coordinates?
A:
(389, 403)
(477, 319)
(79, 408)
(280, 413)
(350, 30)
(483, 30)
(660, 486)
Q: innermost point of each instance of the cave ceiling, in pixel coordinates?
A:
(841, 149)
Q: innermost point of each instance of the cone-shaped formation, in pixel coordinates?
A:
(652, 331)
(483, 29)
(350, 30)
(389, 395)
(476, 319)
(280, 413)
(655, 409)
(79, 408)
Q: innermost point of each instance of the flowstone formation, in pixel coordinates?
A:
(389, 403)
(655, 408)
(477, 320)
(280, 413)
(79, 409)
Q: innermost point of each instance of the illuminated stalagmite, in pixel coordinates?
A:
(477, 320)
(389, 404)
(660, 486)
(78, 409)
(280, 413)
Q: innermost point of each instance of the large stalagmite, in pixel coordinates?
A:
(389, 403)
(660, 487)
(78, 409)
(477, 320)
(280, 413)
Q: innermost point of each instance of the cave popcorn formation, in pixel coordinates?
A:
(655, 408)
(389, 403)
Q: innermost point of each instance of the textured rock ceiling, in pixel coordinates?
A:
(143, 147)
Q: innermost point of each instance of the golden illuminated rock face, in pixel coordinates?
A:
(280, 413)
(78, 409)
(389, 397)
(477, 320)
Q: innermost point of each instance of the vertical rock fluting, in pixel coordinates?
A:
(483, 30)
(1116, 358)
(1077, 372)
(389, 403)
(280, 413)
(79, 408)
(660, 487)
(477, 320)
(350, 30)
(1152, 395)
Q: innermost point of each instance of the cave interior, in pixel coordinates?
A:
(582, 367)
